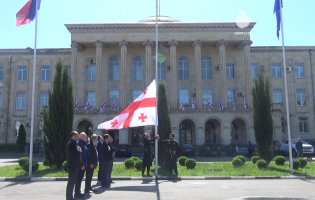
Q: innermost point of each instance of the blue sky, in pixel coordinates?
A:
(298, 18)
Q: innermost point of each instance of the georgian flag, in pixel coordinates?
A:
(220, 106)
(102, 107)
(141, 112)
(87, 106)
(233, 106)
(244, 106)
(182, 107)
(209, 105)
(77, 105)
(114, 107)
(192, 104)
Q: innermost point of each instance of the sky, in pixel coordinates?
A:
(298, 18)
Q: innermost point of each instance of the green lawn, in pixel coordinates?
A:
(202, 169)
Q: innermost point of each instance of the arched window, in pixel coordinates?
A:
(206, 68)
(210, 135)
(183, 68)
(185, 133)
(114, 69)
(161, 67)
(137, 68)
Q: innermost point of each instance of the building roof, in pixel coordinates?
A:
(160, 18)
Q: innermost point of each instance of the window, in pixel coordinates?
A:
(43, 101)
(301, 97)
(22, 73)
(229, 70)
(206, 68)
(282, 124)
(90, 97)
(303, 126)
(91, 72)
(231, 96)
(136, 94)
(206, 96)
(185, 133)
(114, 97)
(276, 70)
(45, 73)
(1, 76)
(184, 96)
(299, 70)
(137, 68)
(254, 70)
(114, 69)
(277, 96)
(210, 135)
(20, 100)
(161, 68)
(183, 68)
(0, 100)
(69, 71)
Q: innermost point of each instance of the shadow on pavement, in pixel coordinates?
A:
(14, 184)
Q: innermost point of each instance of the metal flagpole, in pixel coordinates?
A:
(156, 82)
(33, 95)
(286, 90)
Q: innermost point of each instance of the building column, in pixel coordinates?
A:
(123, 67)
(197, 45)
(221, 44)
(246, 43)
(173, 58)
(226, 135)
(98, 81)
(74, 54)
(148, 69)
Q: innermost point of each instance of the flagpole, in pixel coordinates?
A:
(156, 83)
(286, 89)
(33, 95)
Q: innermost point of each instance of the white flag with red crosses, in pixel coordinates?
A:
(141, 112)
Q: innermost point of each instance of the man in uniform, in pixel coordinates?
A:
(105, 159)
(171, 154)
(147, 154)
(92, 163)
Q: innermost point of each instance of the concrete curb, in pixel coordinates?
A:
(171, 178)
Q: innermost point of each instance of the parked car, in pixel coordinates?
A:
(210, 149)
(311, 142)
(237, 149)
(187, 150)
(123, 150)
(308, 149)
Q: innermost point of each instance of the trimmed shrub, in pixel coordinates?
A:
(23, 160)
(262, 164)
(182, 160)
(242, 158)
(303, 162)
(236, 162)
(190, 163)
(280, 160)
(138, 165)
(255, 159)
(64, 166)
(35, 166)
(296, 164)
(129, 163)
(135, 158)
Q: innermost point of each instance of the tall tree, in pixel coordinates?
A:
(263, 124)
(21, 140)
(164, 121)
(58, 118)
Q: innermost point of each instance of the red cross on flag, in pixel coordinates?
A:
(141, 112)
(209, 105)
(87, 106)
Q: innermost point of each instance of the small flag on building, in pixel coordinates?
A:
(220, 106)
(244, 106)
(114, 107)
(27, 13)
(192, 104)
(87, 106)
(209, 105)
(77, 105)
(182, 107)
(102, 107)
(233, 106)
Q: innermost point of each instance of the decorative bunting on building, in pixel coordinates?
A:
(87, 106)
(244, 106)
(102, 107)
(233, 106)
(220, 106)
(209, 105)
(77, 105)
(114, 107)
(182, 107)
(192, 104)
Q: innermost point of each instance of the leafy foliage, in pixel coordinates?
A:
(182, 160)
(242, 158)
(23, 160)
(129, 163)
(21, 139)
(64, 166)
(35, 166)
(255, 159)
(296, 164)
(262, 164)
(135, 158)
(190, 164)
(303, 162)
(280, 160)
(236, 162)
(138, 165)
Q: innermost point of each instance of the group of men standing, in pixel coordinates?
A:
(83, 158)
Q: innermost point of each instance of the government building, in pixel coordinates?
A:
(200, 63)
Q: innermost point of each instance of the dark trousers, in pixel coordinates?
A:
(79, 181)
(250, 154)
(173, 166)
(99, 175)
(145, 166)
(72, 179)
(88, 179)
(104, 172)
(110, 169)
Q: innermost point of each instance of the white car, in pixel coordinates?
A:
(307, 148)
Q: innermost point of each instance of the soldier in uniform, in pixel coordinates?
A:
(171, 154)
(147, 154)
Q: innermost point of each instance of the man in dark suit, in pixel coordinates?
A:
(105, 160)
(83, 165)
(99, 150)
(112, 159)
(92, 163)
(73, 163)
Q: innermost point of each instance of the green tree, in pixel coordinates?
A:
(21, 140)
(58, 118)
(263, 124)
(164, 121)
